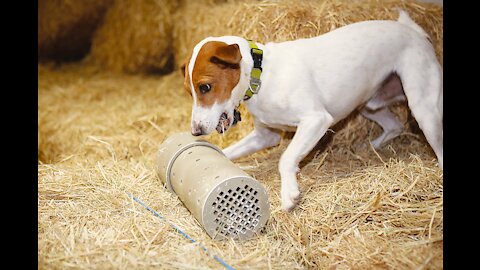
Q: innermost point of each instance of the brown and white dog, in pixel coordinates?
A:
(308, 85)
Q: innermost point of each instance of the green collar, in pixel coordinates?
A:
(255, 83)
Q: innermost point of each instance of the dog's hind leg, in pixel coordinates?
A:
(421, 76)
(389, 123)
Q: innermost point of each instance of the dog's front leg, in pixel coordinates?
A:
(310, 130)
(261, 137)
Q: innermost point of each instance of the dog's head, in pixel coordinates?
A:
(213, 77)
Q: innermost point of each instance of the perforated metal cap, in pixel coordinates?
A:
(237, 208)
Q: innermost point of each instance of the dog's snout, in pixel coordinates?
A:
(197, 133)
(197, 130)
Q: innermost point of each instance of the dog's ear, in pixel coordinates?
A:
(184, 65)
(182, 68)
(227, 56)
(186, 82)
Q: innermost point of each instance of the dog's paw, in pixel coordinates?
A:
(290, 198)
(377, 143)
(369, 144)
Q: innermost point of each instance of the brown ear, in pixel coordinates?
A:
(228, 56)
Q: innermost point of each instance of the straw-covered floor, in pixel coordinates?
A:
(99, 130)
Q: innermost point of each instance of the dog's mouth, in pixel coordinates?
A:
(224, 122)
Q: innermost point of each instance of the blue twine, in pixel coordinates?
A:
(222, 262)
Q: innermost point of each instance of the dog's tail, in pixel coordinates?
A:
(403, 18)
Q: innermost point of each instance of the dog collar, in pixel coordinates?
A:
(255, 83)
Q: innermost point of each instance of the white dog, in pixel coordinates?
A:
(308, 85)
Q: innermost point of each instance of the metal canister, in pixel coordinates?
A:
(224, 199)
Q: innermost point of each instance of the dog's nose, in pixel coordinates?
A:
(197, 133)
(197, 130)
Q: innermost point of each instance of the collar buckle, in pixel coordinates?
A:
(255, 85)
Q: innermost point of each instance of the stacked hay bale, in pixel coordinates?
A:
(118, 35)
(135, 37)
(147, 35)
(276, 21)
(65, 28)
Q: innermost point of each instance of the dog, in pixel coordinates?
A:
(308, 85)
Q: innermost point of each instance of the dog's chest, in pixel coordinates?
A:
(273, 116)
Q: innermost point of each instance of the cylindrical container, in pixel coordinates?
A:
(226, 201)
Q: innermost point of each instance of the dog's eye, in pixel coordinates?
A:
(204, 88)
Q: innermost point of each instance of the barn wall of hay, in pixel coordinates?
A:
(65, 27)
(136, 37)
(102, 117)
(284, 20)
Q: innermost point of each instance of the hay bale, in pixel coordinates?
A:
(65, 27)
(135, 37)
(284, 20)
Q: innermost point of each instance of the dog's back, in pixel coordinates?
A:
(363, 53)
